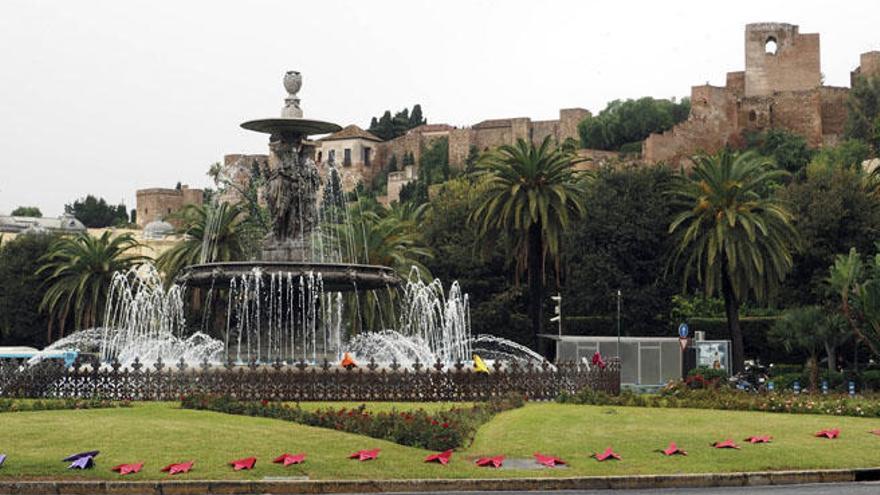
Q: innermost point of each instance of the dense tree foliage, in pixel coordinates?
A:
(95, 213)
(731, 236)
(388, 127)
(833, 213)
(27, 211)
(21, 289)
(848, 154)
(433, 169)
(622, 244)
(863, 111)
(789, 150)
(630, 121)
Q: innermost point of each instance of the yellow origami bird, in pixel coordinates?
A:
(479, 365)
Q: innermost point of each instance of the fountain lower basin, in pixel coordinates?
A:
(337, 277)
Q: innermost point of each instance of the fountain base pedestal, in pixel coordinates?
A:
(274, 249)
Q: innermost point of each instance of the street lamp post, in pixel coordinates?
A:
(618, 323)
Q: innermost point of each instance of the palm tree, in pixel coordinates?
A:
(210, 233)
(79, 271)
(732, 235)
(532, 195)
(376, 235)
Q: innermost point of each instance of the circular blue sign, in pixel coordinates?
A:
(683, 330)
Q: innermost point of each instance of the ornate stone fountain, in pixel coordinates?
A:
(292, 193)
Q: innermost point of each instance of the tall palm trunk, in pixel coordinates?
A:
(536, 281)
(731, 310)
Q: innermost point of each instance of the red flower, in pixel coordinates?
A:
(264, 402)
(445, 425)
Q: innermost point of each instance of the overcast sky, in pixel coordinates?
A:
(112, 96)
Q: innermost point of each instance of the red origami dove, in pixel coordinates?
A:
(182, 467)
(608, 454)
(673, 450)
(727, 444)
(548, 460)
(365, 455)
(831, 434)
(494, 462)
(442, 457)
(759, 439)
(288, 459)
(875, 432)
(598, 361)
(246, 463)
(124, 469)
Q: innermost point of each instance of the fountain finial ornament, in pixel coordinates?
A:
(292, 83)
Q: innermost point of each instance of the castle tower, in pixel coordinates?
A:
(779, 58)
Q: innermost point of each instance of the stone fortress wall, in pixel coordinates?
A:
(160, 203)
(781, 87)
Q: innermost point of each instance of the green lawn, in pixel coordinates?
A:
(161, 433)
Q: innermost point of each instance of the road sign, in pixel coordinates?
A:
(683, 331)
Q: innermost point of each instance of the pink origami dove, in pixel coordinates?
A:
(182, 467)
(759, 439)
(548, 460)
(288, 459)
(608, 454)
(673, 450)
(726, 444)
(442, 457)
(365, 455)
(830, 434)
(124, 469)
(494, 462)
(246, 463)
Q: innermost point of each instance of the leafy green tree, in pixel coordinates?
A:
(211, 233)
(833, 213)
(27, 211)
(392, 163)
(471, 161)
(416, 119)
(95, 213)
(630, 121)
(730, 235)
(848, 154)
(863, 110)
(77, 273)
(789, 150)
(21, 290)
(133, 215)
(434, 162)
(621, 244)
(806, 329)
(389, 127)
(856, 284)
(533, 194)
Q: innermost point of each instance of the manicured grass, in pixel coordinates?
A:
(161, 433)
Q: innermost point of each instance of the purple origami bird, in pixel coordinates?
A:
(2, 459)
(82, 463)
(88, 453)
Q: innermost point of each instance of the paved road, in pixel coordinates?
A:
(817, 489)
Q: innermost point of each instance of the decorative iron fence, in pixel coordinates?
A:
(305, 382)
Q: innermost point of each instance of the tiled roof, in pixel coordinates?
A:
(351, 132)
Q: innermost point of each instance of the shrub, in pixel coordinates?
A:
(679, 394)
(10, 405)
(440, 430)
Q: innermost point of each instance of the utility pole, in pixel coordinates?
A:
(557, 311)
(618, 323)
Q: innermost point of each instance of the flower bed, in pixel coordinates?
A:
(440, 430)
(682, 396)
(12, 405)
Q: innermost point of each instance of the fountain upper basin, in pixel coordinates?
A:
(301, 127)
(336, 277)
